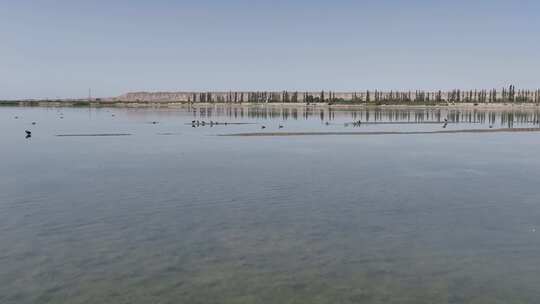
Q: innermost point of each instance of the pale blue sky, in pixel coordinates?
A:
(61, 48)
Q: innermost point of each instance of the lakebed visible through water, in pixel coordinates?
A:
(164, 211)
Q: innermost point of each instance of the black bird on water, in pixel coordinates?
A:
(28, 134)
(281, 126)
(445, 123)
(34, 123)
(263, 127)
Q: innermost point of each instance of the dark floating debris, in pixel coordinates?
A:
(16, 117)
(33, 123)
(154, 122)
(281, 126)
(263, 127)
(28, 133)
(102, 134)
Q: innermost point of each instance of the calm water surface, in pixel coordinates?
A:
(175, 214)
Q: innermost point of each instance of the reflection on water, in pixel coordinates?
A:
(195, 218)
(495, 117)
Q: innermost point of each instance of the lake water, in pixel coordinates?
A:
(174, 214)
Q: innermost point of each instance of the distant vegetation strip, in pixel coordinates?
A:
(366, 97)
(257, 134)
(377, 97)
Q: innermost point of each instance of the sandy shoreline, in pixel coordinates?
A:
(500, 130)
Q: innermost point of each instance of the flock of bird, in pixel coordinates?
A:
(202, 123)
(197, 123)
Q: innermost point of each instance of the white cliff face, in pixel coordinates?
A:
(244, 96)
(327, 96)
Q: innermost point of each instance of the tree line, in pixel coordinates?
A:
(506, 95)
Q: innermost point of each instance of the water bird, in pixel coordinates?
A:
(281, 126)
(34, 123)
(263, 127)
(16, 117)
(154, 122)
(28, 133)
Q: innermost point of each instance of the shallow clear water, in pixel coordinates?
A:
(175, 214)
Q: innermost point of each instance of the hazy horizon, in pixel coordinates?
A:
(62, 50)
